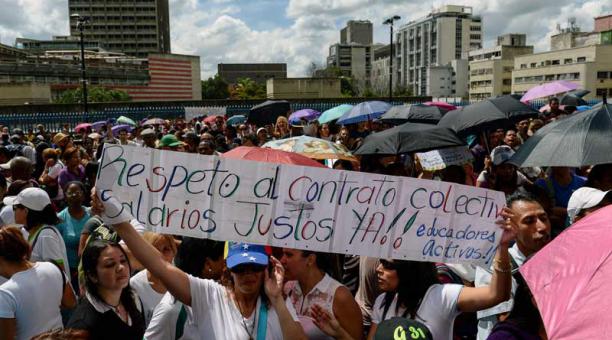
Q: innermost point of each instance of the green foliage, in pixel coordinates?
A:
(95, 94)
(215, 88)
(247, 88)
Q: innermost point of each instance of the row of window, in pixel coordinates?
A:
(604, 74)
(602, 92)
(554, 62)
(67, 80)
(548, 77)
(112, 9)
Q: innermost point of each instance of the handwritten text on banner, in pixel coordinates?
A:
(302, 207)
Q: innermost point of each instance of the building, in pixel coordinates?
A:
(303, 88)
(22, 94)
(58, 43)
(358, 32)
(590, 67)
(260, 73)
(446, 34)
(380, 70)
(448, 81)
(490, 69)
(603, 25)
(133, 27)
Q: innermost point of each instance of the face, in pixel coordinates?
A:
(123, 135)
(522, 126)
(205, 149)
(505, 172)
(554, 105)
(282, 125)
(511, 139)
(112, 270)
(219, 122)
(149, 140)
(248, 278)
(533, 226)
(295, 263)
(324, 130)
(75, 159)
(21, 214)
(388, 280)
(344, 134)
(74, 195)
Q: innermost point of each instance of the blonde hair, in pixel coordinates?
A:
(157, 240)
(51, 153)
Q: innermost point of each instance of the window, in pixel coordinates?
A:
(507, 81)
(602, 75)
(532, 65)
(555, 62)
(523, 65)
(567, 61)
(580, 59)
(601, 92)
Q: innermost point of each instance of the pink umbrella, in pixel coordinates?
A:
(548, 89)
(82, 127)
(211, 119)
(442, 105)
(570, 280)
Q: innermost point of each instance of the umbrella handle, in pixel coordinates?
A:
(486, 141)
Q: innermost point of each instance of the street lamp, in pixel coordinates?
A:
(389, 22)
(81, 21)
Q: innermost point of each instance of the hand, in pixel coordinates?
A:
(111, 211)
(50, 163)
(508, 225)
(326, 321)
(273, 283)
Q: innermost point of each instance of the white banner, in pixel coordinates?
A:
(302, 207)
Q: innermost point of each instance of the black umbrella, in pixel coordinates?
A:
(584, 138)
(414, 113)
(487, 114)
(409, 137)
(572, 99)
(268, 111)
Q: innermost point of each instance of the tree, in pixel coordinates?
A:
(215, 88)
(247, 88)
(95, 94)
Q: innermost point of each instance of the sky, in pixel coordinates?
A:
(299, 32)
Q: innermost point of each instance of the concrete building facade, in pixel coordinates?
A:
(133, 27)
(446, 34)
(303, 88)
(490, 69)
(379, 77)
(354, 53)
(260, 73)
(357, 32)
(590, 67)
(25, 93)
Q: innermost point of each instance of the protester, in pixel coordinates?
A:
(110, 308)
(502, 175)
(522, 128)
(585, 201)
(534, 126)
(170, 142)
(600, 177)
(7, 214)
(309, 284)
(207, 148)
(281, 128)
(73, 170)
(30, 300)
(148, 138)
(511, 139)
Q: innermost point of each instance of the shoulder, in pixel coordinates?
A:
(343, 296)
(379, 300)
(139, 280)
(84, 316)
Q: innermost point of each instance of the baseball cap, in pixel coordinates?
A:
(32, 198)
(402, 328)
(245, 253)
(501, 154)
(584, 198)
(147, 132)
(170, 140)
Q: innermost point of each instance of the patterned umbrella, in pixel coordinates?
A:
(311, 147)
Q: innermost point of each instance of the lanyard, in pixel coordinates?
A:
(262, 322)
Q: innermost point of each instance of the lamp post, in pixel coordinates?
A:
(81, 21)
(389, 22)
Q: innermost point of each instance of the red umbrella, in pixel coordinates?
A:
(82, 127)
(441, 105)
(253, 153)
(211, 119)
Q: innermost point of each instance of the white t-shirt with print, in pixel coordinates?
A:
(33, 297)
(437, 311)
(149, 297)
(219, 318)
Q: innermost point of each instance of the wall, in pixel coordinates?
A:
(303, 88)
(19, 94)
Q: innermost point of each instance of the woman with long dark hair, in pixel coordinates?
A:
(110, 308)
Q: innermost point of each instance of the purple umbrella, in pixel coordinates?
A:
(548, 89)
(308, 114)
(118, 128)
(99, 125)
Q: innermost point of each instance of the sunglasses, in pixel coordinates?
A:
(247, 269)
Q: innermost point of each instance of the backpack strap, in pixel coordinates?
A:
(38, 234)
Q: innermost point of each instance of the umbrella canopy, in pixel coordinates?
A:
(267, 155)
(363, 112)
(211, 119)
(314, 148)
(308, 114)
(334, 113)
(570, 279)
(154, 121)
(572, 99)
(236, 120)
(489, 113)
(579, 93)
(443, 105)
(581, 139)
(548, 89)
(415, 113)
(118, 128)
(99, 125)
(409, 137)
(268, 111)
(82, 127)
(126, 120)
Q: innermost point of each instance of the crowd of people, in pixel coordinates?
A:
(67, 273)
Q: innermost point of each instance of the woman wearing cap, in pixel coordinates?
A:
(310, 285)
(33, 210)
(412, 290)
(250, 303)
(30, 300)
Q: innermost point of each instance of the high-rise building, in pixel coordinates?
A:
(357, 32)
(491, 68)
(353, 55)
(133, 27)
(444, 35)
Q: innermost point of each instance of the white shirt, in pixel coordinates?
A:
(49, 246)
(437, 311)
(33, 297)
(163, 324)
(54, 172)
(7, 215)
(219, 318)
(149, 297)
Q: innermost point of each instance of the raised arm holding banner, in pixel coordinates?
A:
(302, 207)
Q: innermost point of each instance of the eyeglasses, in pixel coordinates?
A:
(74, 194)
(247, 269)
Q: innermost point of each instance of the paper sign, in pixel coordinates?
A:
(440, 159)
(302, 207)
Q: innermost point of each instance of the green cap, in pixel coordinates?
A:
(170, 141)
